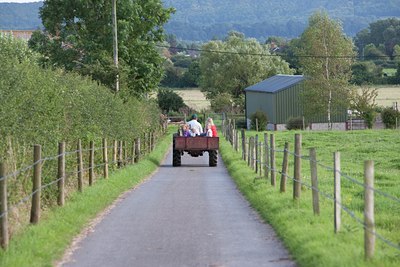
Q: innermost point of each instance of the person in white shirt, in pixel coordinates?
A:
(195, 126)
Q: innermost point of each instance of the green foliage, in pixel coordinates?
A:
(364, 103)
(259, 119)
(232, 71)
(365, 72)
(390, 117)
(84, 41)
(328, 72)
(371, 52)
(222, 103)
(294, 123)
(169, 101)
(181, 74)
(44, 106)
(379, 38)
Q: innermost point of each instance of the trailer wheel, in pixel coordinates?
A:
(212, 158)
(176, 158)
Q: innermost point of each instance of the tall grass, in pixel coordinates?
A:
(309, 238)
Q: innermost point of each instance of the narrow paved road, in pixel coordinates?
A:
(191, 215)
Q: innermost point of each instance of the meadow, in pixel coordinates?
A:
(387, 95)
(194, 98)
(310, 238)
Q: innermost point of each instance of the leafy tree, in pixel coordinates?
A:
(365, 72)
(222, 103)
(192, 75)
(168, 100)
(231, 65)
(371, 52)
(327, 66)
(364, 102)
(81, 40)
(386, 32)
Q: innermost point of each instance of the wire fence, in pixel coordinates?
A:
(84, 163)
(261, 157)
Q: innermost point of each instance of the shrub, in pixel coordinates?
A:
(168, 100)
(389, 116)
(295, 123)
(241, 123)
(261, 118)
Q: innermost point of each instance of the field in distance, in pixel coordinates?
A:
(194, 98)
(387, 95)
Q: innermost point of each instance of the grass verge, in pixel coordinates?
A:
(44, 243)
(310, 239)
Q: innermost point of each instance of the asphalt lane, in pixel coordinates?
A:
(191, 215)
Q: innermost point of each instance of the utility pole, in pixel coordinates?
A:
(115, 42)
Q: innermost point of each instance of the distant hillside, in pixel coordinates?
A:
(207, 19)
(14, 16)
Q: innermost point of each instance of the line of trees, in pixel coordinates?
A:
(78, 37)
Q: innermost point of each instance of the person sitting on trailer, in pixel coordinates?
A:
(195, 126)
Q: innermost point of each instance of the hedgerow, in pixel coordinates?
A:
(47, 106)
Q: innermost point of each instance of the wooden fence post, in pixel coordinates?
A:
(256, 153)
(297, 167)
(236, 140)
(37, 184)
(369, 220)
(285, 167)
(251, 152)
(105, 158)
(120, 154)
(91, 163)
(61, 173)
(244, 156)
(266, 154)
(133, 152)
(273, 164)
(314, 180)
(80, 166)
(137, 150)
(115, 152)
(3, 207)
(125, 154)
(337, 194)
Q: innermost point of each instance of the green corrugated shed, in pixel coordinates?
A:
(279, 97)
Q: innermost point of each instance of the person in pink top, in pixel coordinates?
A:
(213, 128)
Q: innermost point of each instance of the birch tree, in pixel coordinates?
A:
(325, 56)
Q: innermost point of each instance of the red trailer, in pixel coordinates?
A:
(195, 146)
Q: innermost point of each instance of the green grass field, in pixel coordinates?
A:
(311, 239)
(390, 72)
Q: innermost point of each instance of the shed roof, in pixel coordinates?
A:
(275, 83)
